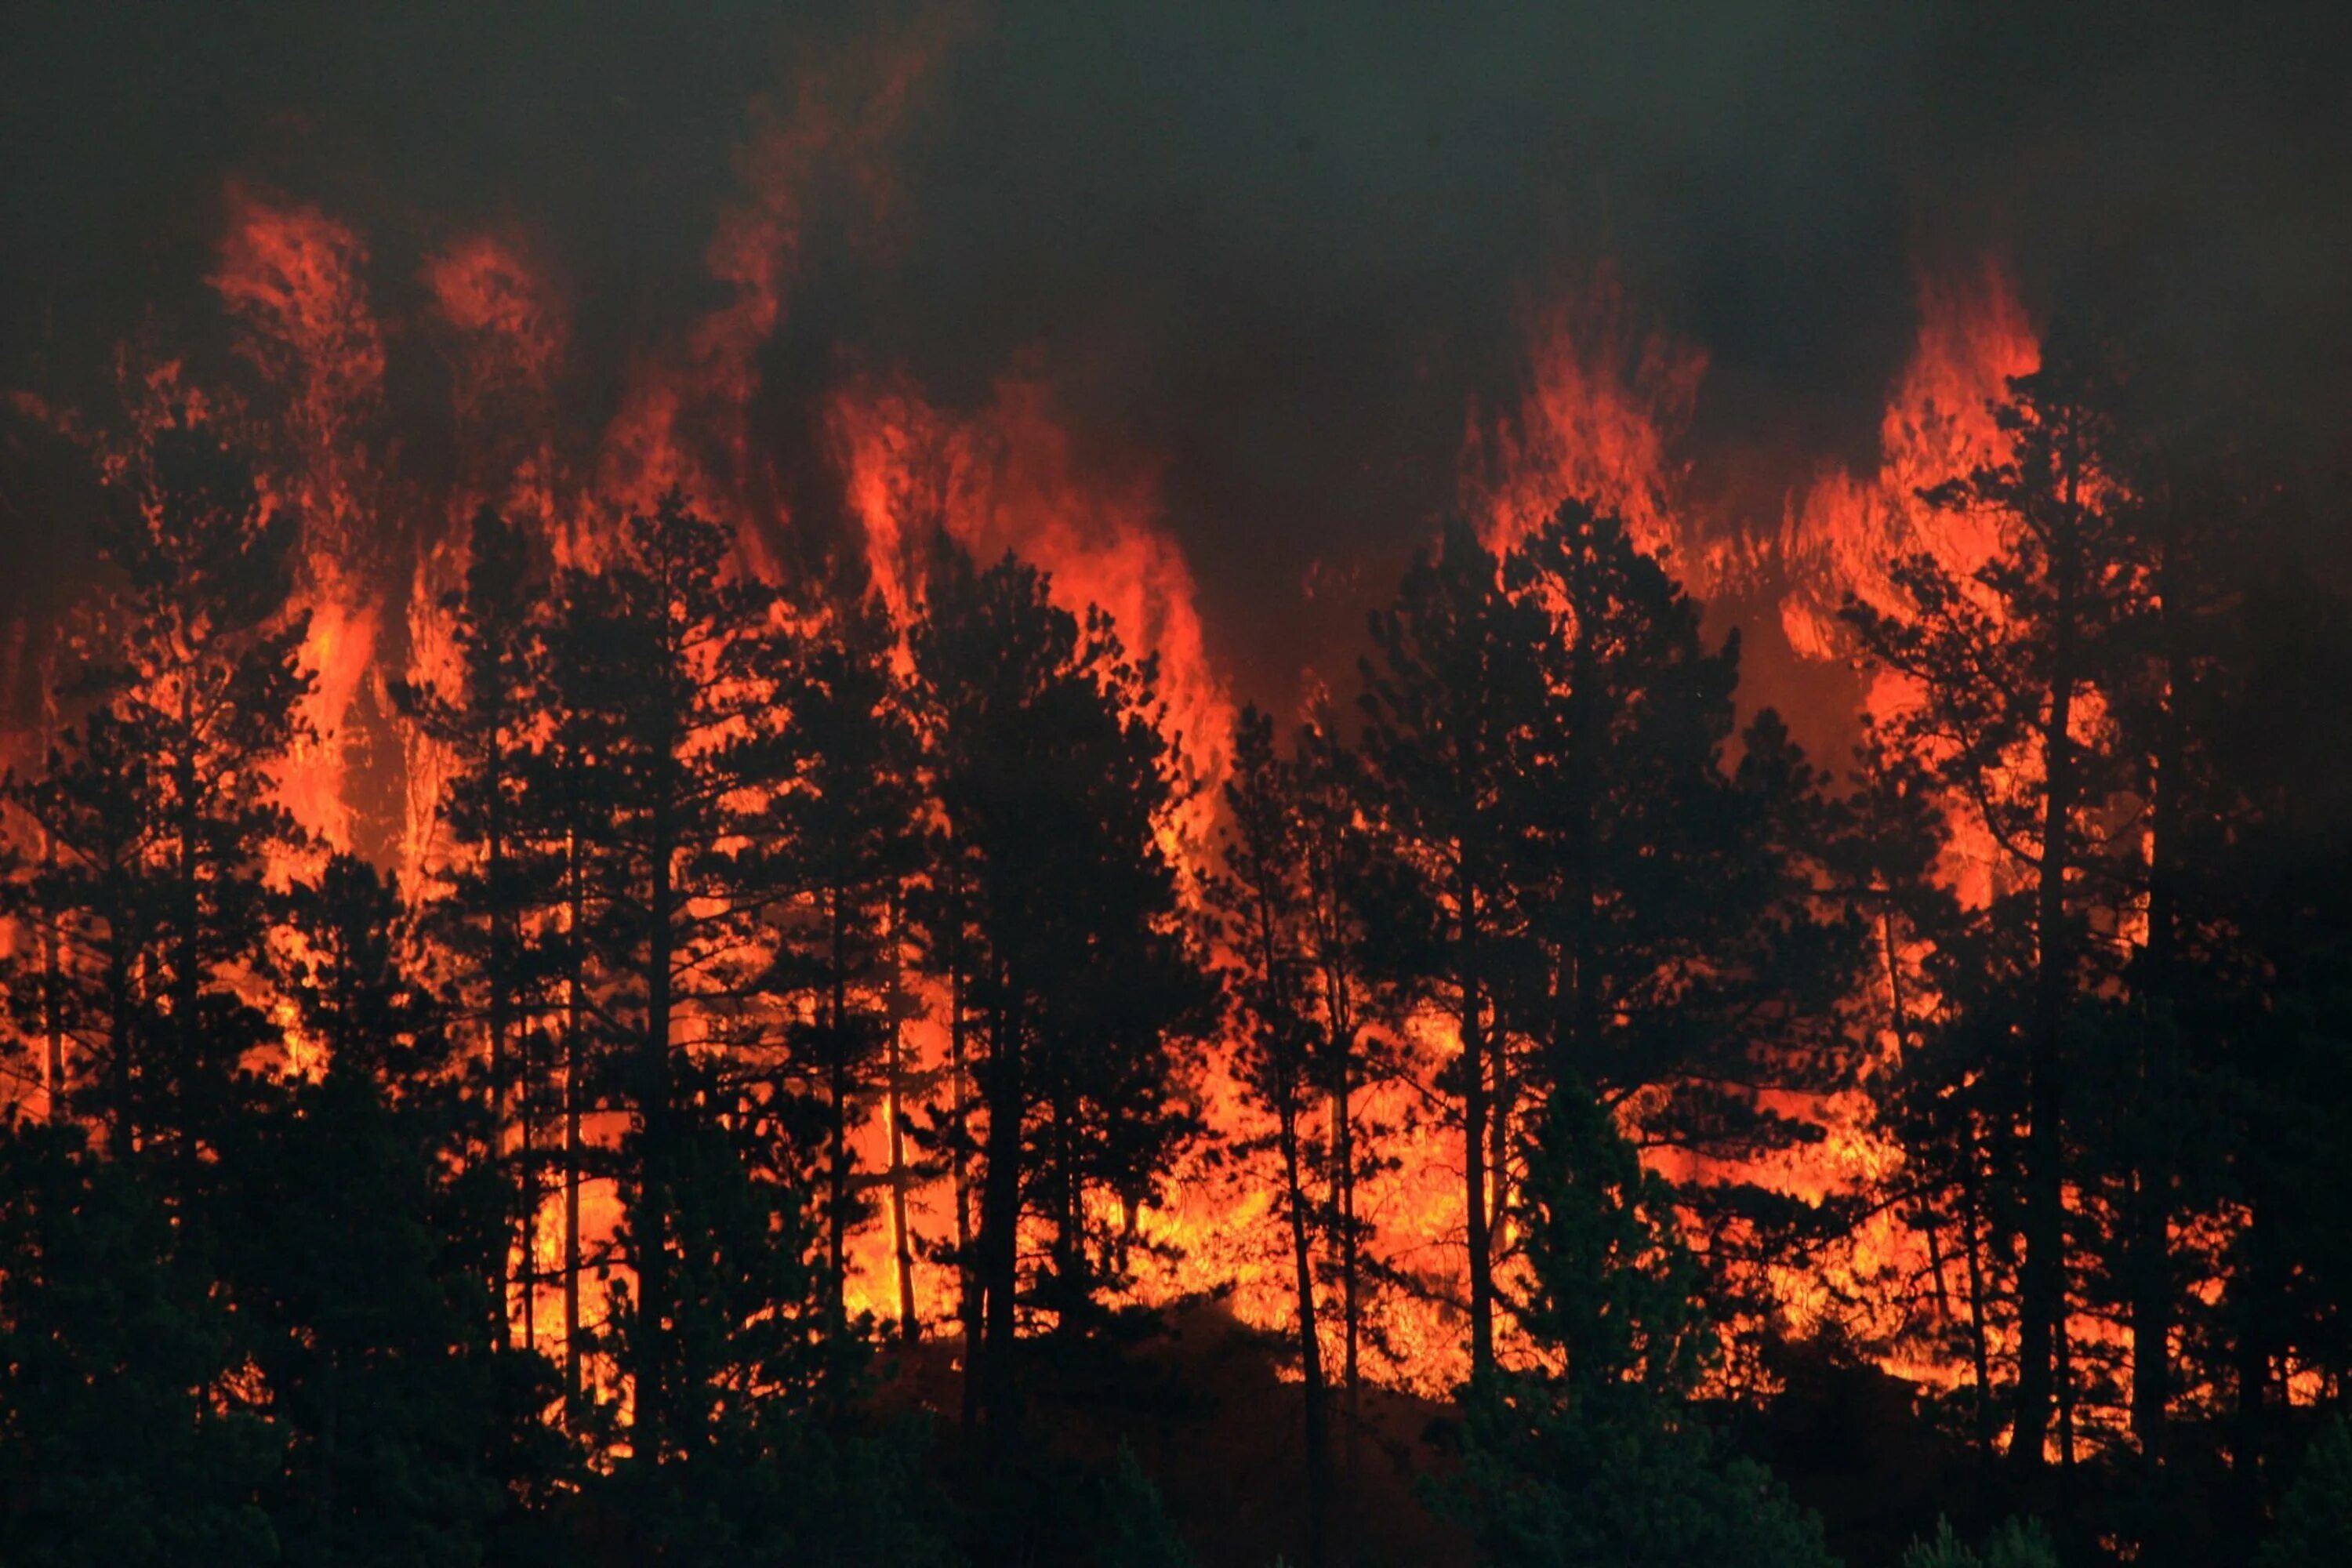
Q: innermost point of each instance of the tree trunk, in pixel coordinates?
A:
(837, 1088)
(575, 1021)
(187, 904)
(999, 1258)
(2041, 1284)
(656, 1198)
(500, 1003)
(1310, 1342)
(902, 1236)
(1979, 1345)
(2150, 1245)
(1471, 1022)
(968, 1291)
(53, 1034)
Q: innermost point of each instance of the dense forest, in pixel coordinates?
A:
(524, 1209)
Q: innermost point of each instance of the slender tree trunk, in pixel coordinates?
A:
(837, 1088)
(2255, 1291)
(529, 1178)
(658, 1196)
(500, 1006)
(2150, 1247)
(53, 1034)
(122, 1030)
(1979, 1345)
(1069, 1230)
(187, 903)
(968, 1290)
(901, 1234)
(1310, 1339)
(574, 1020)
(1351, 1314)
(1899, 1025)
(1006, 1096)
(1341, 1012)
(2041, 1284)
(1471, 1022)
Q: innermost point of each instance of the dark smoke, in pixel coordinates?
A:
(1282, 247)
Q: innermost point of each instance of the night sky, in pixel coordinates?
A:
(1283, 249)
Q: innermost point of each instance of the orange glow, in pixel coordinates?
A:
(292, 278)
(1846, 532)
(1009, 478)
(1602, 417)
(1605, 407)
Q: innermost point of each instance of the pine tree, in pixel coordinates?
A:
(1056, 783)
(117, 1441)
(1265, 900)
(412, 1436)
(1449, 693)
(844, 823)
(2193, 506)
(498, 884)
(1599, 1457)
(1359, 1053)
(659, 662)
(1686, 956)
(1888, 863)
(158, 811)
(2284, 733)
(2009, 669)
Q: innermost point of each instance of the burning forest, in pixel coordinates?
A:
(759, 810)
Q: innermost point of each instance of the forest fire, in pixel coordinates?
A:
(681, 919)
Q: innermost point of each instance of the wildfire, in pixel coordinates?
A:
(292, 278)
(1605, 406)
(1844, 534)
(1603, 414)
(1009, 479)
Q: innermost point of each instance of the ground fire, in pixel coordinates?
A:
(699, 928)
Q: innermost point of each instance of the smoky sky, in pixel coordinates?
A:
(1283, 248)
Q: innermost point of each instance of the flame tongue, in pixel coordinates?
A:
(292, 278)
(1846, 532)
(1008, 478)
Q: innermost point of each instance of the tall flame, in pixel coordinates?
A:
(1846, 531)
(686, 423)
(292, 278)
(1009, 479)
(1605, 405)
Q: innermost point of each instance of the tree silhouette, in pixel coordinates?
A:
(843, 820)
(1055, 785)
(158, 811)
(2008, 665)
(1450, 692)
(659, 663)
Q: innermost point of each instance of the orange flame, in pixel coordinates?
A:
(1605, 406)
(1848, 530)
(292, 278)
(1009, 479)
